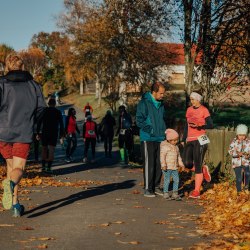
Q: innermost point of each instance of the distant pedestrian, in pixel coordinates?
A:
(125, 135)
(107, 130)
(21, 106)
(51, 122)
(90, 136)
(239, 149)
(70, 131)
(88, 110)
(150, 116)
(170, 163)
(195, 141)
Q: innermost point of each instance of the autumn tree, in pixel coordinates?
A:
(5, 50)
(208, 26)
(34, 61)
(55, 47)
(112, 39)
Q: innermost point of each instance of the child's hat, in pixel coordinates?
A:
(171, 134)
(241, 129)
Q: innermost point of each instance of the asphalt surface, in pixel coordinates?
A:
(109, 213)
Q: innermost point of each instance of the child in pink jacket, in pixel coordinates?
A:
(170, 162)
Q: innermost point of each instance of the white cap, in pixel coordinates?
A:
(241, 129)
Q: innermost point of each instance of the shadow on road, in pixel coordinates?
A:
(95, 191)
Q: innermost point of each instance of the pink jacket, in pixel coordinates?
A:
(170, 156)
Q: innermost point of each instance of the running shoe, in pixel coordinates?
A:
(194, 194)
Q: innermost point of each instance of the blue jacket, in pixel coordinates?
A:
(150, 119)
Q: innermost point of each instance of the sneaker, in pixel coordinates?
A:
(8, 187)
(84, 160)
(167, 196)
(17, 210)
(206, 173)
(158, 191)
(176, 197)
(68, 160)
(194, 194)
(149, 194)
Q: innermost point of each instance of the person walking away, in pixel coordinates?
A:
(195, 141)
(239, 149)
(170, 162)
(51, 122)
(21, 106)
(125, 136)
(88, 110)
(107, 127)
(90, 134)
(70, 131)
(150, 117)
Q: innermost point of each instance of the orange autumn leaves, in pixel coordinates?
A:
(227, 216)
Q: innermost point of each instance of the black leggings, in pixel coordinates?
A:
(92, 142)
(193, 155)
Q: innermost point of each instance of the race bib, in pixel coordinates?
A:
(87, 110)
(122, 131)
(91, 132)
(203, 139)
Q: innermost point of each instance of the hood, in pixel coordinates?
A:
(148, 96)
(18, 76)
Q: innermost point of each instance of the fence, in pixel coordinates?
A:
(217, 153)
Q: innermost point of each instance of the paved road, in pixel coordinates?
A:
(110, 213)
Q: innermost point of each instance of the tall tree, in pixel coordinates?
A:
(5, 50)
(208, 26)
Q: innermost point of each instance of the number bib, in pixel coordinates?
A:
(122, 131)
(91, 132)
(203, 139)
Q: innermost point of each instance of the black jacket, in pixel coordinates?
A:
(107, 125)
(50, 122)
(21, 106)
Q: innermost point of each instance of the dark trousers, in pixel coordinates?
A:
(71, 144)
(92, 142)
(152, 172)
(193, 155)
(238, 173)
(127, 142)
(108, 143)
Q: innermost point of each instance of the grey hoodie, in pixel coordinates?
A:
(21, 105)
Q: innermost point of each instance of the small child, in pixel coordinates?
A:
(170, 161)
(239, 149)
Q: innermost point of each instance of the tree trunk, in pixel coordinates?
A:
(81, 88)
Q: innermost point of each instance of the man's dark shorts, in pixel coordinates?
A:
(49, 141)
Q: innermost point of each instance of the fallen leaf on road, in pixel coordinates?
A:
(43, 246)
(118, 233)
(163, 222)
(26, 228)
(129, 242)
(136, 192)
(105, 225)
(138, 206)
(6, 225)
(118, 222)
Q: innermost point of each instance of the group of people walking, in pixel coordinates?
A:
(23, 110)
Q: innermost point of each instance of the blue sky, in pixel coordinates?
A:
(21, 19)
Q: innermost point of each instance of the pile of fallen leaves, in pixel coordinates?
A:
(226, 217)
